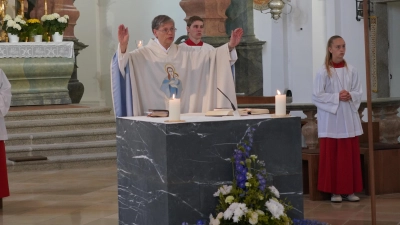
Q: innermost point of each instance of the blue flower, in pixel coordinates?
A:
(201, 222)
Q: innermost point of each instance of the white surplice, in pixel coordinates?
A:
(208, 47)
(337, 119)
(5, 102)
(192, 75)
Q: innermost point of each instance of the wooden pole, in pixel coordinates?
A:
(369, 106)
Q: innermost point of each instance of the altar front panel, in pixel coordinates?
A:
(167, 173)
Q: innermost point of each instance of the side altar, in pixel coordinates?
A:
(168, 172)
(38, 72)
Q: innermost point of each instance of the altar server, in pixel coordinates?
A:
(337, 94)
(5, 102)
(151, 75)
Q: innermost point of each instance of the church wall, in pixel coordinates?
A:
(297, 42)
(394, 47)
(89, 58)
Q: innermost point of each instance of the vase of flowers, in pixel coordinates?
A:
(14, 28)
(53, 24)
(249, 200)
(35, 29)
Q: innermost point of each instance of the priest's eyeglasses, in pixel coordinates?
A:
(172, 30)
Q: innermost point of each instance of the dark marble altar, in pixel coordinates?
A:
(168, 172)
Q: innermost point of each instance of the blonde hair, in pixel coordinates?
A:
(328, 56)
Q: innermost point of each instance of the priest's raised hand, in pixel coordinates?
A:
(236, 36)
(123, 37)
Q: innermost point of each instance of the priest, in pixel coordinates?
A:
(148, 77)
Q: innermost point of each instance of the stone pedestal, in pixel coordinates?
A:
(167, 173)
(38, 81)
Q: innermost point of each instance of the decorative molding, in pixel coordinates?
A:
(374, 74)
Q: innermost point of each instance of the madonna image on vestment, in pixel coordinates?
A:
(171, 84)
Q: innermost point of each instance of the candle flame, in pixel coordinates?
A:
(277, 91)
(173, 96)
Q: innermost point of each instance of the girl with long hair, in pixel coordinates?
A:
(337, 94)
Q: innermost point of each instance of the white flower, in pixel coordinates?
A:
(62, 20)
(17, 19)
(237, 210)
(225, 189)
(216, 221)
(274, 191)
(56, 15)
(10, 23)
(22, 22)
(7, 17)
(253, 218)
(247, 184)
(275, 208)
(50, 17)
(229, 199)
(248, 176)
(17, 26)
(66, 17)
(253, 157)
(44, 18)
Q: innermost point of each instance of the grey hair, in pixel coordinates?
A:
(159, 20)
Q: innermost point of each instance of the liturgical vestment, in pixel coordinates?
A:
(156, 75)
(5, 102)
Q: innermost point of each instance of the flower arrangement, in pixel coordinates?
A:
(15, 26)
(55, 23)
(34, 27)
(249, 200)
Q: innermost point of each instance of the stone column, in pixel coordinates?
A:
(65, 7)
(249, 72)
(380, 53)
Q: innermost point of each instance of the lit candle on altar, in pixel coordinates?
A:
(174, 108)
(280, 104)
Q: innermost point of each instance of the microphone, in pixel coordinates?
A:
(233, 106)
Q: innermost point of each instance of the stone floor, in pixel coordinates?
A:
(89, 197)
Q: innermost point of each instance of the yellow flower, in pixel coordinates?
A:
(33, 21)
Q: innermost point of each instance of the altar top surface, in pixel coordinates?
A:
(200, 117)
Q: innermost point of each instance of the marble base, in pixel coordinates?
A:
(38, 81)
(167, 173)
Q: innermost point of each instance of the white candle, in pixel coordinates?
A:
(280, 104)
(45, 7)
(174, 108)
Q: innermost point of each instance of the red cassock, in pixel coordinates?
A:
(339, 166)
(4, 191)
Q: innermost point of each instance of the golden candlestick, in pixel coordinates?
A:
(21, 12)
(3, 35)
